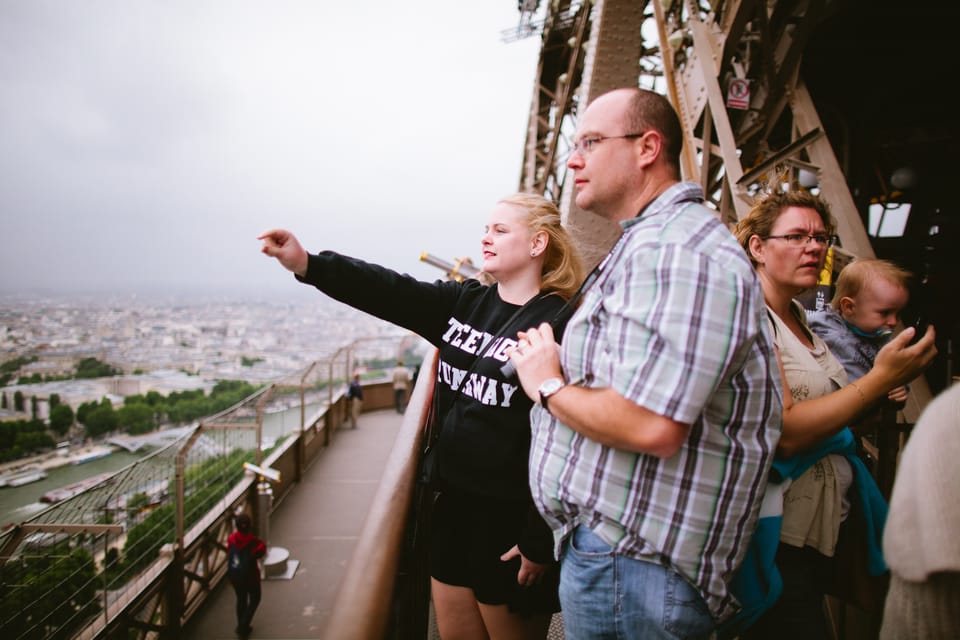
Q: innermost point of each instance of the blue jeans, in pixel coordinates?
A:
(610, 596)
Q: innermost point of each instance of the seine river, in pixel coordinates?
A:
(20, 503)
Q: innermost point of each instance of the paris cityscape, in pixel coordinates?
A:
(211, 337)
(166, 344)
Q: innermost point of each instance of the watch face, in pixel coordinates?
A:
(550, 386)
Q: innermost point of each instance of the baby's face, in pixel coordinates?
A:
(877, 306)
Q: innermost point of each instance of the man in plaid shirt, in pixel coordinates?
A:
(660, 416)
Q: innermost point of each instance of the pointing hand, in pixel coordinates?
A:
(283, 245)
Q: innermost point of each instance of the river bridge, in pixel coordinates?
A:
(134, 444)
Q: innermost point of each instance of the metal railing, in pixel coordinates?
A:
(138, 553)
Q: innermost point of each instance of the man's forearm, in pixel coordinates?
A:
(607, 417)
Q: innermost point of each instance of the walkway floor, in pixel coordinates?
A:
(318, 523)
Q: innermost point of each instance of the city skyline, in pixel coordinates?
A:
(211, 339)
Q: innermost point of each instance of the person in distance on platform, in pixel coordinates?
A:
(786, 236)
(657, 421)
(493, 574)
(401, 381)
(866, 306)
(246, 583)
(355, 395)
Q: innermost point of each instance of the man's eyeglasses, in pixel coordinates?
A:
(585, 145)
(802, 239)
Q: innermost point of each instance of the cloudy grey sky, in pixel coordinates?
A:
(144, 143)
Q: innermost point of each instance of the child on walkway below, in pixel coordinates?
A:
(866, 306)
(244, 549)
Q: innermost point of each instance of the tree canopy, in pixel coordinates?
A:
(93, 368)
(61, 419)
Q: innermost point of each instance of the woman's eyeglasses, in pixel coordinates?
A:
(802, 239)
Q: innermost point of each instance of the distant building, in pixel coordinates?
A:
(163, 381)
(9, 415)
(114, 388)
(49, 368)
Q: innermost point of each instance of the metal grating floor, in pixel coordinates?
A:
(554, 633)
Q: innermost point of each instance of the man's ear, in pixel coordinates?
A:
(650, 147)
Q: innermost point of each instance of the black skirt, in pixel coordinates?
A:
(469, 534)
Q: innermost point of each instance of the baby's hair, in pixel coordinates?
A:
(853, 276)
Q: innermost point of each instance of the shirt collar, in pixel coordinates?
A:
(676, 194)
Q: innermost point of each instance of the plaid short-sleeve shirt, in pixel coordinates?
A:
(675, 322)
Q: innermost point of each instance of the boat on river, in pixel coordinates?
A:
(22, 477)
(70, 490)
(91, 455)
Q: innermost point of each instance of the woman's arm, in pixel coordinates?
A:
(422, 307)
(810, 422)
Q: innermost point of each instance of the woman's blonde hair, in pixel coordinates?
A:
(562, 268)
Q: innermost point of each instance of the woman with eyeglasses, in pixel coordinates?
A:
(786, 236)
(492, 569)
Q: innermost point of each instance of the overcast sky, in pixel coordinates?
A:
(145, 144)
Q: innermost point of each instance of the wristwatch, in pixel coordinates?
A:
(549, 387)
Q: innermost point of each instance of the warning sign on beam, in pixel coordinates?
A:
(738, 94)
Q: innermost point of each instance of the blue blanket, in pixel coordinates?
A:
(757, 584)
